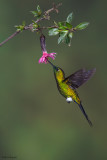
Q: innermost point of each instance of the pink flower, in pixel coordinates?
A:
(45, 56)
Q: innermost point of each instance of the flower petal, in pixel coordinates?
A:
(52, 55)
(40, 60)
(45, 56)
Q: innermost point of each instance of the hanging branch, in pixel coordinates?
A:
(30, 26)
(64, 29)
(13, 35)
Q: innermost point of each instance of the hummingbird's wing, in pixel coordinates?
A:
(79, 77)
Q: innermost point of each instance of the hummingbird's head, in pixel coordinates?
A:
(58, 72)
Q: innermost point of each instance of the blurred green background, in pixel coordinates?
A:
(36, 123)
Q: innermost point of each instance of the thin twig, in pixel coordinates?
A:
(48, 27)
(30, 26)
(10, 37)
(46, 16)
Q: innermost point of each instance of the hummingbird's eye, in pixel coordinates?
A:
(57, 69)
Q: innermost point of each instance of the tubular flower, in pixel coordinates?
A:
(45, 56)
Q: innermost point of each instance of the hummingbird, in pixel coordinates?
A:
(67, 86)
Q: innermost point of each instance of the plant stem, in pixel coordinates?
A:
(30, 26)
(10, 37)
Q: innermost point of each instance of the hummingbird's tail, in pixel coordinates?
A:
(83, 111)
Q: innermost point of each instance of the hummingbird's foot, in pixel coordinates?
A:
(69, 99)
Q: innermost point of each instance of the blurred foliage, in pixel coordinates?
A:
(65, 30)
(35, 120)
(37, 13)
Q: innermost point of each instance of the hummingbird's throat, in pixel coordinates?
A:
(59, 75)
(69, 99)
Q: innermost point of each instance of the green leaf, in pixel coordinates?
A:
(60, 24)
(33, 21)
(82, 26)
(68, 25)
(20, 28)
(35, 26)
(69, 18)
(70, 35)
(68, 40)
(35, 13)
(62, 36)
(38, 8)
(53, 31)
(55, 23)
(23, 23)
(62, 28)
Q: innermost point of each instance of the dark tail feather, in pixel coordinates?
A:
(83, 111)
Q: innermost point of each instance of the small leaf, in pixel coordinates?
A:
(62, 36)
(35, 26)
(60, 24)
(23, 23)
(35, 13)
(53, 31)
(33, 21)
(68, 40)
(38, 8)
(20, 28)
(55, 23)
(69, 18)
(63, 28)
(68, 25)
(70, 35)
(82, 26)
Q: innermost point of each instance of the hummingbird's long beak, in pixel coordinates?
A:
(51, 64)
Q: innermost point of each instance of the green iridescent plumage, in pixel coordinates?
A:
(67, 86)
